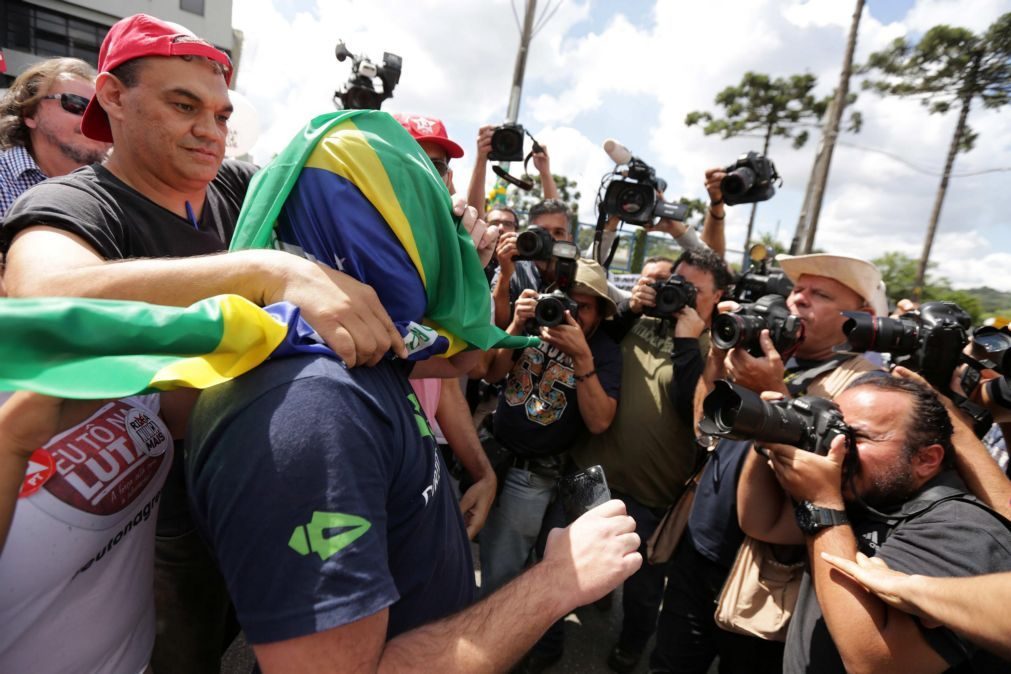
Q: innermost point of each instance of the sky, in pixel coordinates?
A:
(632, 71)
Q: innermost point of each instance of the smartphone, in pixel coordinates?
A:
(583, 491)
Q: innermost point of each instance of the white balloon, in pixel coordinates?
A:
(243, 126)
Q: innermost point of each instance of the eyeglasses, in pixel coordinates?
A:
(510, 224)
(441, 165)
(72, 103)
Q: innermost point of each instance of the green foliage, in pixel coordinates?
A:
(948, 66)
(898, 271)
(522, 201)
(767, 107)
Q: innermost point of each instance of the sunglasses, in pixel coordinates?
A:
(72, 103)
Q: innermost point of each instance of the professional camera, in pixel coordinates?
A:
(744, 326)
(928, 341)
(359, 92)
(760, 279)
(534, 244)
(631, 191)
(991, 348)
(749, 179)
(507, 143)
(551, 306)
(672, 296)
(808, 422)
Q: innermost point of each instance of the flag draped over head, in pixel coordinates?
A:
(354, 191)
(93, 349)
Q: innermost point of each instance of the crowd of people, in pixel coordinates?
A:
(325, 501)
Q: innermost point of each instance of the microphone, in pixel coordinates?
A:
(617, 152)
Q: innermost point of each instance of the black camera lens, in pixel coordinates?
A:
(729, 330)
(738, 182)
(549, 312)
(507, 143)
(534, 244)
(866, 332)
(633, 200)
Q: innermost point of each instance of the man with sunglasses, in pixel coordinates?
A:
(40, 126)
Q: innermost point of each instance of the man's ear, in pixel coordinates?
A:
(110, 90)
(928, 461)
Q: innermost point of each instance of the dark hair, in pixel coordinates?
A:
(548, 206)
(506, 209)
(23, 98)
(706, 260)
(929, 423)
(129, 72)
(657, 259)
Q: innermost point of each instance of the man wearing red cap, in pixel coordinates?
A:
(167, 192)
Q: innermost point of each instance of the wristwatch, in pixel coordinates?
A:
(811, 519)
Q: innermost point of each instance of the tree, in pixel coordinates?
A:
(521, 200)
(764, 107)
(949, 66)
(899, 271)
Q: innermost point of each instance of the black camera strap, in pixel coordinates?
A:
(598, 239)
(525, 185)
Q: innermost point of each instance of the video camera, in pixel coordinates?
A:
(807, 422)
(632, 187)
(359, 92)
(744, 326)
(760, 279)
(551, 306)
(672, 296)
(749, 180)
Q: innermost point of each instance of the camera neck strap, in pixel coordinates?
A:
(798, 381)
(525, 185)
(598, 239)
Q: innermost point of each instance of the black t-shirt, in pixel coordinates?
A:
(952, 539)
(121, 223)
(538, 411)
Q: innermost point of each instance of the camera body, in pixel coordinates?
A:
(928, 341)
(991, 348)
(807, 422)
(632, 197)
(507, 143)
(749, 180)
(534, 244)
(744, 326)
(551, 306)
(359, 92)
(760, 279)
(672, 296)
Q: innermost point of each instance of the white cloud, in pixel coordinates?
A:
(635, 78)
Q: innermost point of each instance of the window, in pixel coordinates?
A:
(192, 6)
(49, 33)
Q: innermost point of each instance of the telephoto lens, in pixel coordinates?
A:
(738, 182)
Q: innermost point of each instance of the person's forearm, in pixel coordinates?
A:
(713, 231)
(688, 365)
(501, 300)
(764, 511)
(689, 240)
(457, 427)
(475, 190)
(595, 406)
(490, 636)
(977, 468)
(548, 187)
(714, 369)
(13, 464)
(975, 607)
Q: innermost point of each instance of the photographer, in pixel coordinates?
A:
(566, 385)
(887, 491)
(649, 451)
(687, 636)
(476, 189)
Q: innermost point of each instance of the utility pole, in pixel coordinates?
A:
(521, 63)
(807, 226)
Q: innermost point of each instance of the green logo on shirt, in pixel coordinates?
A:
(311, 537)
(419, 416)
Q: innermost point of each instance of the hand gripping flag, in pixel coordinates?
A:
(355, 191)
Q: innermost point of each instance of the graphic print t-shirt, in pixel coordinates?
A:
(76, 573)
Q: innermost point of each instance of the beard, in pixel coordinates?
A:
(892, 487)
(77, 153)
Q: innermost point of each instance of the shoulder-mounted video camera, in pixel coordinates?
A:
(760, 279)
(749, 179)
(744, 326)
(807, 422)
(360, 92)
(672, 296)
(632, 186)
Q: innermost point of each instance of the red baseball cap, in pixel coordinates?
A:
(430, 129)
(138, 36)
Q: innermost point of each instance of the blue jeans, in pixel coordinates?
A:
(510, 533)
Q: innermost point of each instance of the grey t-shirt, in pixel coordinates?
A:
(954, 538)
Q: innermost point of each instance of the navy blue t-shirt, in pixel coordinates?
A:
(538, 413)
(323, 496)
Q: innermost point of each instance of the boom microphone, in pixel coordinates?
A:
(617, 152)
